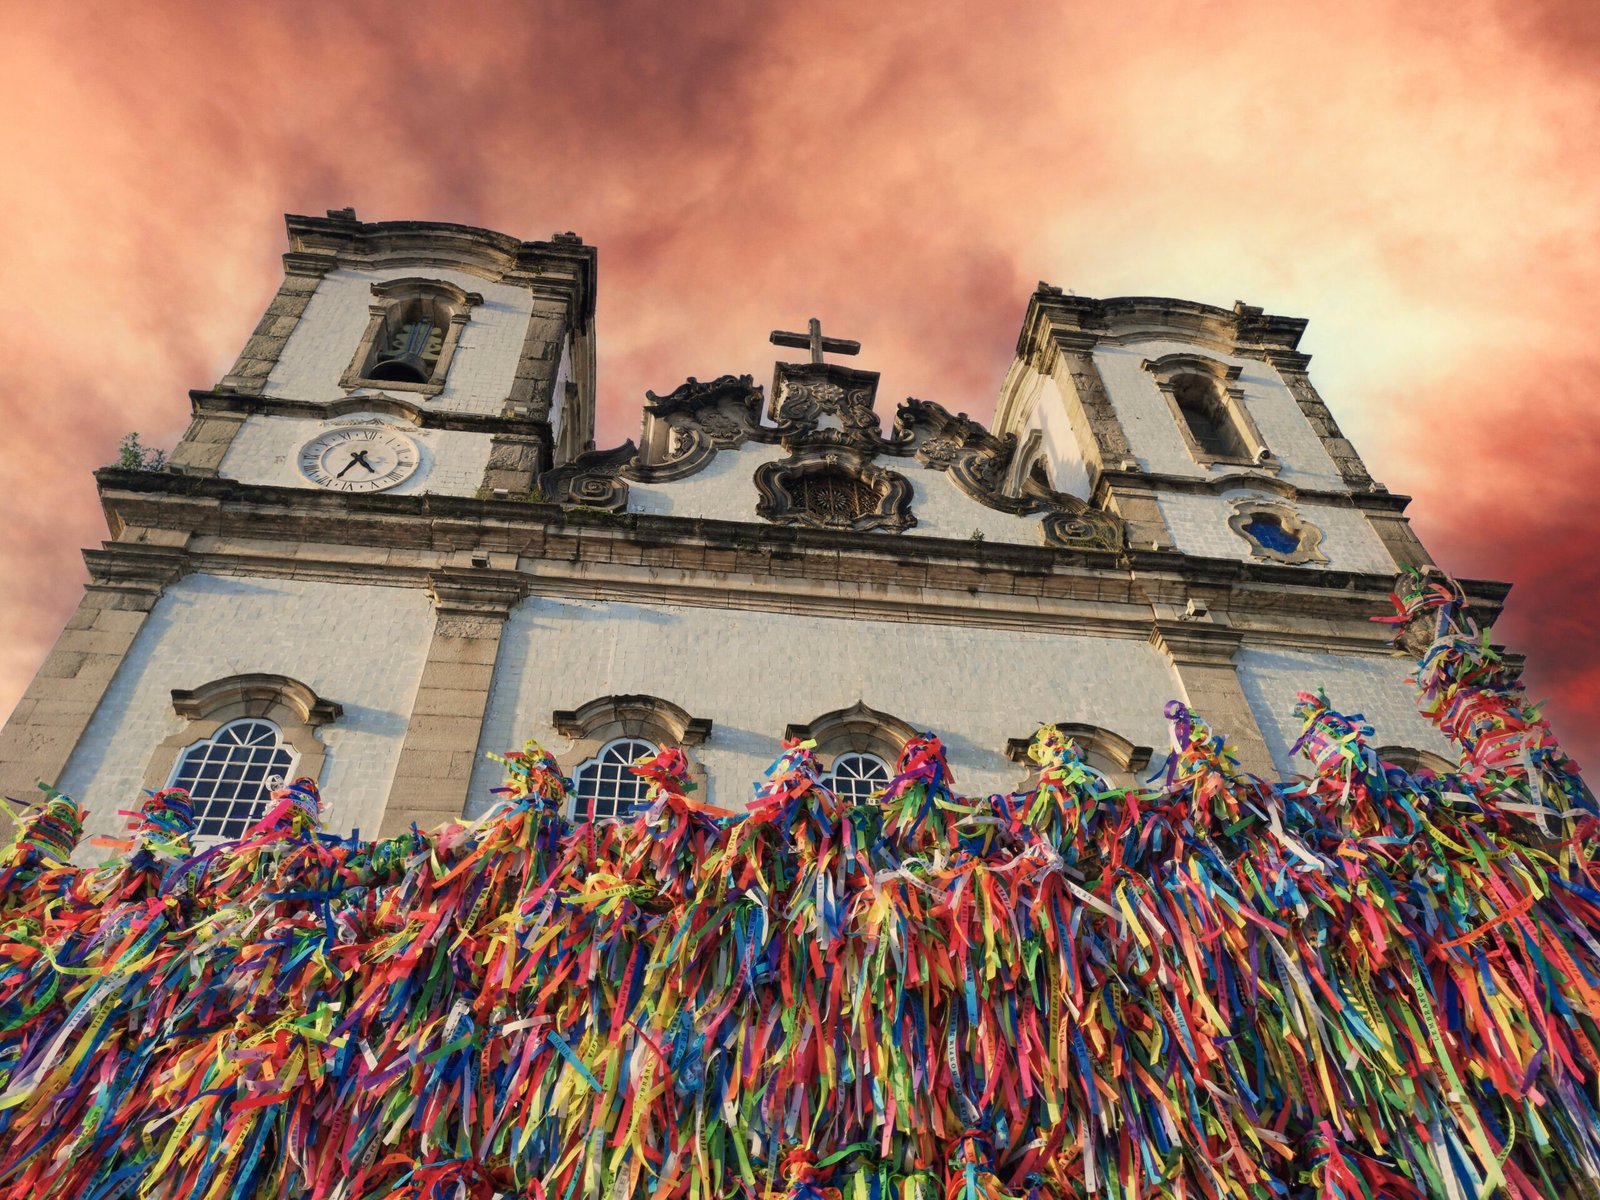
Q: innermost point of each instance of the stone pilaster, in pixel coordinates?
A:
(1291, 366)
(532, 390)
(1133, 498)
(1108, 447)
(516, 460)
(1201, 651)
(1118, 485)
(1399, 539)
(125, 581)
(302, 273)
(441, 743)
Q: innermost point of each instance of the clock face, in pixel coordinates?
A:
(359, 459)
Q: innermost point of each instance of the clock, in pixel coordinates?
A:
(359, 459)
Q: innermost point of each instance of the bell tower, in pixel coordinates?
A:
(1200, 427)
(477, 345)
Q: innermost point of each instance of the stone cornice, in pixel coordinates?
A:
(403, 540)
(1196, 643)
(561, 268)
(135, 566)
(1235, 480)
(209, 403)
(476, 591)
(1070, 322)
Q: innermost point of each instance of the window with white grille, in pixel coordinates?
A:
(231, 775)
(604, 788)
(855, 777)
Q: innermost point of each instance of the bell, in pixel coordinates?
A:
(408, 359)
(406, 368)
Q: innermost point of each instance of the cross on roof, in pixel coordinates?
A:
(814, 340)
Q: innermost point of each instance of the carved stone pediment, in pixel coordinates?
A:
(593, 480)
(824, 404)
(833, 490)
(685, 428)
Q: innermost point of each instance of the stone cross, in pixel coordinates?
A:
(818, 344)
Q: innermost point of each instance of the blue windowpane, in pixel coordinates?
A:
(1268, 532)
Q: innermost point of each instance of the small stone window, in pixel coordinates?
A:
(1266, 530)
(411, 337)
(833, 491)
(1107, 756)
(1208, 401)
(1275, 531)
(834, 497)
(230, 776)
(605, 787)
(855, 777)
(1209, 422)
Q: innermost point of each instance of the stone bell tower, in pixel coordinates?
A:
(504, 352)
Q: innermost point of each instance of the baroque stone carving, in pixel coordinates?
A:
(833, 491)
(593, 480)
(981, 464)
(824, 404)
(685, 428)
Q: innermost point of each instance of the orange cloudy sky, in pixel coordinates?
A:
(1422, 181)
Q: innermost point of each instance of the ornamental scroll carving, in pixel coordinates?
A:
(986, 468)
(685, 428)
(592, 480)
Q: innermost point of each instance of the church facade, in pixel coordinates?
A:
(387, 547)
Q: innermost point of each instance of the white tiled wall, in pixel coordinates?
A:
(753, 673)
(361, 646)
(265, 450)
(324, 343)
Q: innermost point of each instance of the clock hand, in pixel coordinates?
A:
(361, 457)
(355, 457)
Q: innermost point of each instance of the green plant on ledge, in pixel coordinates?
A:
(133, 455)
(532, 496)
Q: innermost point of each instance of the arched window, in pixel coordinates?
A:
(410, 350)
(1413, 761)
(604, 787)
(1112, 759)
(415, 327)
(608, 733)
(230, 776)
(238, 732)
(1210, 424)
(857, 746)
(856, 776)
(1209, 402)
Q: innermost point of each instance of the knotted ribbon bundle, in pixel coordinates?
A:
(1361, 983)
